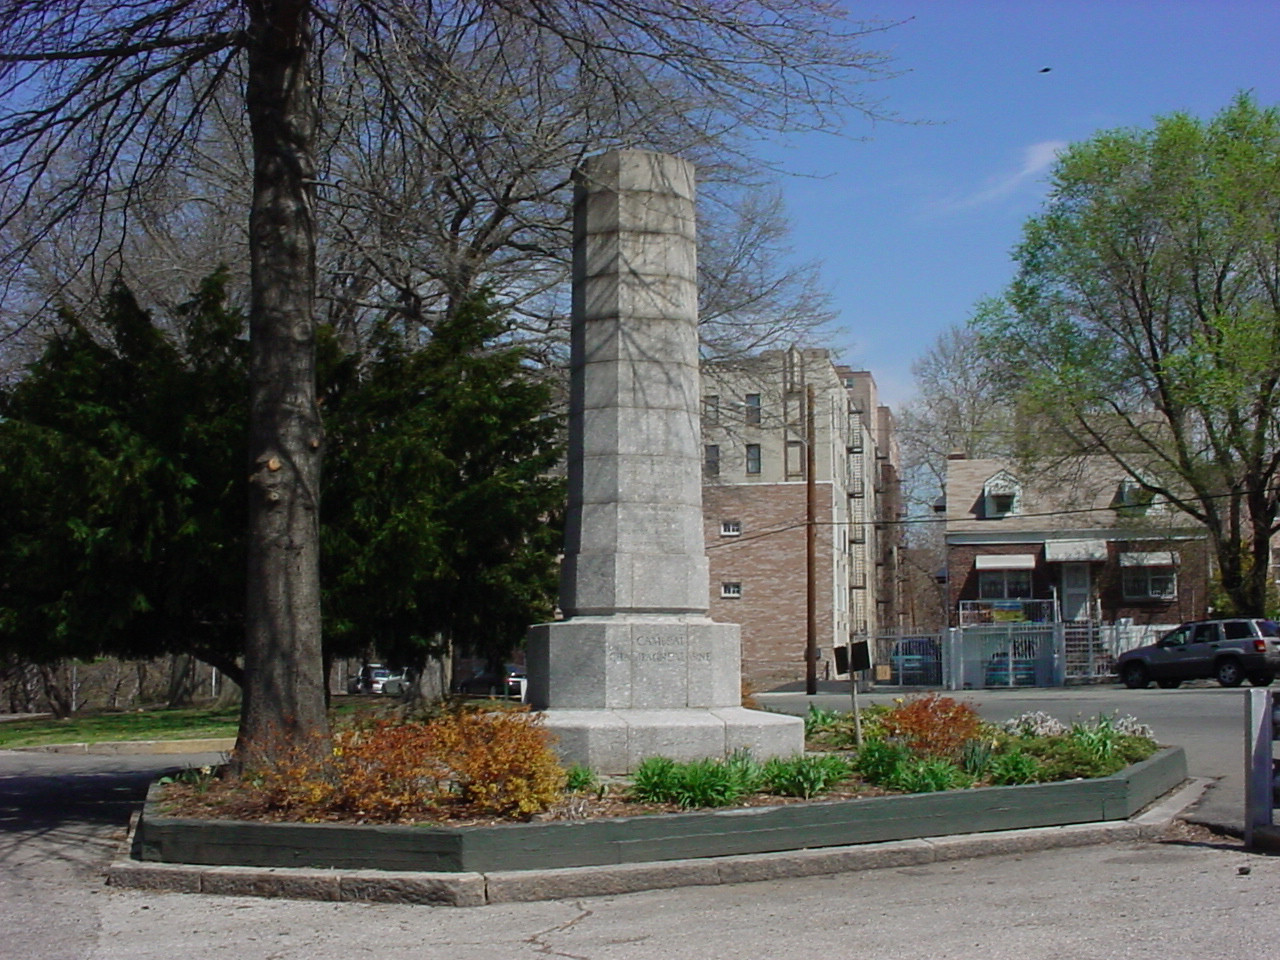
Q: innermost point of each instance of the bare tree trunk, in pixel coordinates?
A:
(57, 688)
(283, 706)
(182, 680)
(433, 681)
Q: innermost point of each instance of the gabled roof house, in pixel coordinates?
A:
(1075, 543)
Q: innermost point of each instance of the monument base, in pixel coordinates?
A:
(617, 689)
(615, 741)
(634, 662)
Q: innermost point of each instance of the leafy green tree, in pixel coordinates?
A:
(1144, 322)
(122, 474)
(440, 520)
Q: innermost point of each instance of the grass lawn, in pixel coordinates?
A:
(192, 723)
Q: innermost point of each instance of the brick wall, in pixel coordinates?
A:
(1193, 579)
(768, 560)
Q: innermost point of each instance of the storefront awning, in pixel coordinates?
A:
(1075, 551)
(1006, 561)
(1159, 558)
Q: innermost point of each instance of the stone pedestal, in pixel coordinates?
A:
(617, 689)
(637, 669)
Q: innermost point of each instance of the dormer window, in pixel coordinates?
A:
(1131, 498)
(1001, 496)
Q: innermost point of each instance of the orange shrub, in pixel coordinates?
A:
(502, 762)
(388, 770)
(497, 763)
(933, 725)
(295, 779)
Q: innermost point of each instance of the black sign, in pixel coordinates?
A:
(861, 656)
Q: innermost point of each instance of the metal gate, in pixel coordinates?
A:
(1005, 655)
(909, 661)
(997, 655)
(1088, 651)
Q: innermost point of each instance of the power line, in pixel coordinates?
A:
(785, 526)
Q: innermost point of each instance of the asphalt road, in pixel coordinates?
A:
(61, 817)
(1132, 900)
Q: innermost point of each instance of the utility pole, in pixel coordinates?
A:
(811, 548)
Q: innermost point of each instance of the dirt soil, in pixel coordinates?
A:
(227, 800)
(1185, 832)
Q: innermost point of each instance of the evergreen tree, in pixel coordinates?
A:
(122, 472)
(122, 462)
(440, 520)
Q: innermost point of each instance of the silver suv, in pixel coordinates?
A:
(1228, 651)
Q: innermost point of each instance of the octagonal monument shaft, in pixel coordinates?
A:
(637, 669)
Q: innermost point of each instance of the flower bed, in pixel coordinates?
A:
(442, 795)
(675, 836)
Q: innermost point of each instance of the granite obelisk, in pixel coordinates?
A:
(637, 668)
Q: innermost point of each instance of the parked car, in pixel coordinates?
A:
(396, 685)
(486, 682)
(371, 679)
(1229, 651)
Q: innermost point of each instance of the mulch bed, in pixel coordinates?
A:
(227, 800)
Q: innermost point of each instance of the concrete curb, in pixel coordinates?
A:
(136, 747)
(478, 889)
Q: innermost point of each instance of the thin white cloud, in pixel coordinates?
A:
(1036, 159)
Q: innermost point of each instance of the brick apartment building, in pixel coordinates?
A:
(756, 422)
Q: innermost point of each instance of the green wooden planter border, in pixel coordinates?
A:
(568, 843)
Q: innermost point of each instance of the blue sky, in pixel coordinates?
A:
(915, 223)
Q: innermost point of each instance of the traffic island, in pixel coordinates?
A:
(469, 865)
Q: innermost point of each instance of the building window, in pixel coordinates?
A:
(1001, 503)
(1004, 584)
(1132, 499)
(731, 591)
(711, 460)
(730, 528)
(753, 458)
(753, 408)
(711, 407)
(1001, 495)
(1150, 583)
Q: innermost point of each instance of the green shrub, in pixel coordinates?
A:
(879, 760)
(697, 783)
(818, 721)
(929, 775)
(706, 783)
(581, 779)
(1066, 758)
(1097, 742)
(830, 729)
(806, 775)
(654, 780)
(1014, 767)
(976, 756)
(747, 771)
